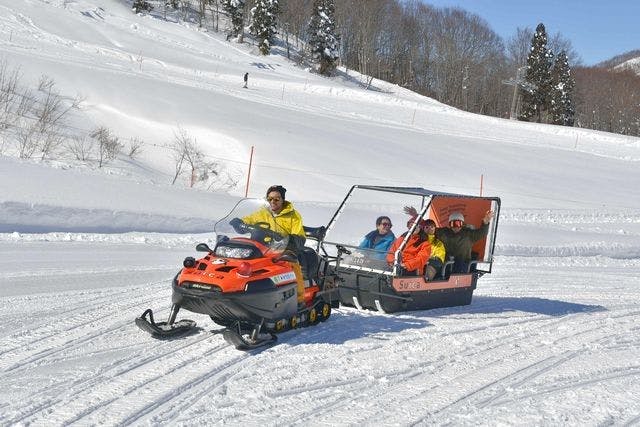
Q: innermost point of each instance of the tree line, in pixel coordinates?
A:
(448, 54)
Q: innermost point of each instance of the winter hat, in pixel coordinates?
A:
(456, 216)
(278, 188)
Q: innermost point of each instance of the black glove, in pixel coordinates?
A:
(239, 226)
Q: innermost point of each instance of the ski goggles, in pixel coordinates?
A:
(456, 223)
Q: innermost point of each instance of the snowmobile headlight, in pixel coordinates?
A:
(244, 269)
(231, 252)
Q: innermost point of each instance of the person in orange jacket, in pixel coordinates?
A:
(416, 253)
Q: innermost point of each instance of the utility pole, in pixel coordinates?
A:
(465, 88)
(518, 82)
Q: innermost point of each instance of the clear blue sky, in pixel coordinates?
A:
(597, 29)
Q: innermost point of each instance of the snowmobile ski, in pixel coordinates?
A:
(163, 329)
(241, 343)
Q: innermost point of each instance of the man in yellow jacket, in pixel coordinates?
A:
(282, 217)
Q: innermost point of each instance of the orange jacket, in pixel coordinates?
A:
(413, 257)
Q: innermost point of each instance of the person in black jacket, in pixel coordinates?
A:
(458, 239)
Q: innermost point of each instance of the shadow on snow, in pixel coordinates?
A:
(497, 305)
(351, 324)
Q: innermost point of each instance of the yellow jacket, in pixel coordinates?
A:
(288, 221)
(437, 248)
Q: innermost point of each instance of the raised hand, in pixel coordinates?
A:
(410, 210)
(487, 217)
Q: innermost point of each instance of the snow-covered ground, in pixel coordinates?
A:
(551, 337)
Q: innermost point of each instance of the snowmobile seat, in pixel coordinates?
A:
(308, 259)
(315, 233)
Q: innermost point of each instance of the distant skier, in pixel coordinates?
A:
(246, 78)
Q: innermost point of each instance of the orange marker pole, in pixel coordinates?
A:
(246, 191)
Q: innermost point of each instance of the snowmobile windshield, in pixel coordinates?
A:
(250, 219)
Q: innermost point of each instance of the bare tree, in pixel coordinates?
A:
(360, 23)
(559, 43)
(202, 12)
(448, 54)
(50, 141)
(50, 115)
(185, 155)
(135, 147)
(608, 100)
(518, 47)
(80, 146)
(294, 19)
(467, 57)
(214, 6)
(108, 145)
(26, 128)
(26, 136)
(9, 80)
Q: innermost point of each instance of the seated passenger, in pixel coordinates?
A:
(416, 253)
(436, 261)
(379, 240)
(458, 238)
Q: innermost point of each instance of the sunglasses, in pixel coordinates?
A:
(274, 199)
(456, 223)
(386, 224)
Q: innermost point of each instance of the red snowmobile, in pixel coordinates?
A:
(246, 284)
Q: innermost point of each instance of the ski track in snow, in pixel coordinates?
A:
(80, 359)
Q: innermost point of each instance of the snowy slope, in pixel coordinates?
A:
(550, 338)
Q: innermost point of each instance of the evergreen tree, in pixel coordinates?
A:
(140, 5)
(235, 10)
(323, 40)
(263, 25)
(537, 92)
(562, 109)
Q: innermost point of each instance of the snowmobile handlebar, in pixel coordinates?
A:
(258, 231)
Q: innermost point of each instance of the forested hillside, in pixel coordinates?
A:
(449, 54)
